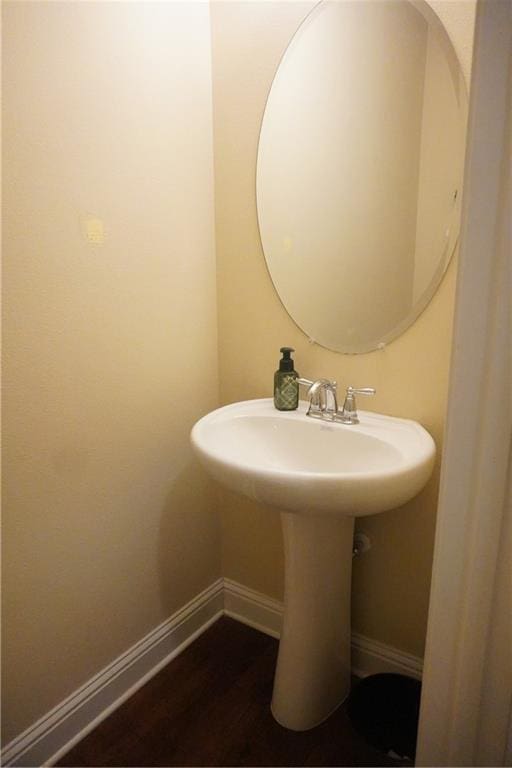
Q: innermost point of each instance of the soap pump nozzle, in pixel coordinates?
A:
(286, 362)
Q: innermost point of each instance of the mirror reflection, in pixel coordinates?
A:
(359, 170)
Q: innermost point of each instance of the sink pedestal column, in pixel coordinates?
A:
(313, 667)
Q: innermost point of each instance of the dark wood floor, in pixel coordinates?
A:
(211, 707)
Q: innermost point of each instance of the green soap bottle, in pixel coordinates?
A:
(286, 385)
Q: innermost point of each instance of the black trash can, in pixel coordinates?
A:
(384, 709)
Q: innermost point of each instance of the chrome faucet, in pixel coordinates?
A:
(323, 401)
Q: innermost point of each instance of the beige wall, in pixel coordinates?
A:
(110, 350)
(391, 582)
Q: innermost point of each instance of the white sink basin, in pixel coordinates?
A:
(299, 464)
(328, 474)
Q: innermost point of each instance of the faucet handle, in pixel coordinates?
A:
(305, 382)
(361, 391)
(348, 414)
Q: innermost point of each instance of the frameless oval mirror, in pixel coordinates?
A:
(359, 169)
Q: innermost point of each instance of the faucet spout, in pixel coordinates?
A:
(323, 402)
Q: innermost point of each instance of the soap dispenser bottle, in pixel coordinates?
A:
(286, 385)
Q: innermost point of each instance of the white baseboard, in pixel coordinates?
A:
(53, 735)
(253, 608)
(369, 657)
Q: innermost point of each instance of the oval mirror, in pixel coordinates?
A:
(359, 169)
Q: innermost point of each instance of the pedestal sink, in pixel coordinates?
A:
(320, 476)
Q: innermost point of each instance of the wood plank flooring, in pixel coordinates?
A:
(211, 707)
